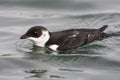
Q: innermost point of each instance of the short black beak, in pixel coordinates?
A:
(23, 37)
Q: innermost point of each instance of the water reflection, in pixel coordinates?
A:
(42, 74)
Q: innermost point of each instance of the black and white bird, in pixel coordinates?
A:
(63, 40)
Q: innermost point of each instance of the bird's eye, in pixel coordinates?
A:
(35, 33)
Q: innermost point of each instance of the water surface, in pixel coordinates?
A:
(20, 60)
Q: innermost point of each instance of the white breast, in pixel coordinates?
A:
(41, 41)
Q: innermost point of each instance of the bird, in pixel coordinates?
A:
(66, 39)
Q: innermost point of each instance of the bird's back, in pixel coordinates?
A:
(73, 38)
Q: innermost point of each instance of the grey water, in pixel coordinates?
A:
(20, 60)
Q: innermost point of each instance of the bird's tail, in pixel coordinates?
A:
(103, 28)
(108, 34)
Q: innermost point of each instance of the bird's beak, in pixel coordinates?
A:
(23, 37)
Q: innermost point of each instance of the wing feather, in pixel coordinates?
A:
(74, 41)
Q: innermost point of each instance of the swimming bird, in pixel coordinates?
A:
(63, 40)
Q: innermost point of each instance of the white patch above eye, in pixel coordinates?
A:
(54, 47)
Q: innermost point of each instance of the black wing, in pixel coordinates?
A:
(73, 41)
(85, 36)
(74, 38)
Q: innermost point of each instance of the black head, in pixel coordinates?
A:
(35, 32)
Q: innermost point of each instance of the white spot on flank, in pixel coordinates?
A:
(54, 47)
(74, 35)
(88, 35)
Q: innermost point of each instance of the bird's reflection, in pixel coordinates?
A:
(42, 74)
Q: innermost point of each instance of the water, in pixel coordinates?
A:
(99, 60)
